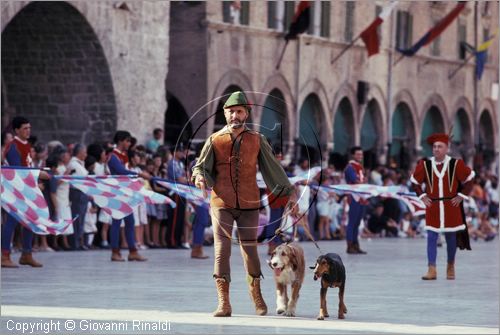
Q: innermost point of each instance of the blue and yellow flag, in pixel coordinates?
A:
(481, 54)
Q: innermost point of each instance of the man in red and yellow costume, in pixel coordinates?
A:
(447, 182)
(228, 163)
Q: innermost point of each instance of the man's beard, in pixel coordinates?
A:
(236, 125)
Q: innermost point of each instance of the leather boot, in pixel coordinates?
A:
(27, 259)
(135, 256)
(7, 262)
(358, 249)
(431, 273)
(256, 295)
(224, 306)
(116, 256)
(450, 271)
(351, 248)
(197, 252)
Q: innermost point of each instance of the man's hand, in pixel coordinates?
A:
(456, 200)
(427, 201)
(145, 174)
(201, 184)
(44, 175)
(292, 204)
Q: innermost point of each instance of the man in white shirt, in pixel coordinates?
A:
(77, 198)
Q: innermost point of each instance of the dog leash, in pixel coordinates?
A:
(284, 218)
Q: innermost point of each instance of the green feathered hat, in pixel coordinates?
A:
(237, 98)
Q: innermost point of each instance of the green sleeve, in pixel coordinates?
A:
(272, 171)
(205, 165)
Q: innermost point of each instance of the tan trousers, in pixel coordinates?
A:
(247, 222)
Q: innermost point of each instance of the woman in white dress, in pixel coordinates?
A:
(59, 191)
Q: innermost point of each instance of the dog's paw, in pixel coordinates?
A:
(341, 316)
(290, 313)
(327, 315)
(321, 317)
(280, 311)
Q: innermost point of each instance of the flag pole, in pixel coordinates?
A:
(281, 56)
(451, 75)
(344, 50)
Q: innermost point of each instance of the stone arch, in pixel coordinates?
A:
(316, 87)
(232, 78)
(346, 90)
(273, 121)
(433, 121)
(177, 126)
(490, 106)
(377, 94)
(403, 146)
(278, 81)
(462, 120)
(437, 101)
(372, 134)
(311, 129)
(344, 127)
(487, 140)
(464, 103)
(55, 72)
(405, 96)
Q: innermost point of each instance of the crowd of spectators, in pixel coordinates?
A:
(326, 212)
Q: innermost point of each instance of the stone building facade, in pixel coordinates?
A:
(80, 70)
(319, 107)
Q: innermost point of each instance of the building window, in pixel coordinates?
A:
(349, 21)
(485, 9)
(272, 15)
(236, 12)
(462, 40)
(436, 45)
(486, 36)
(378, 10)
(319, 20)
(325, 19)
(404, 23)
(289, 14)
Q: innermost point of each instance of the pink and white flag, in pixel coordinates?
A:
(23, 199)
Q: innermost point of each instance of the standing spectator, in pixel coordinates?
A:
(492, 194)
(176, 172)
(60, 190)
(324, 206)
(118, 165)
(447, 182)
(140, 214)
(40, 155)
(156, 141)
(354, 175)
(200, 222)
(17, 153)
(7, 137)
(79, 200)
(99, 153)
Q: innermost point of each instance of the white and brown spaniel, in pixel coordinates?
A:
(288, 264)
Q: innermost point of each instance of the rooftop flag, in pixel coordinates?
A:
(370, 35)
(300, 21)
(435, 31)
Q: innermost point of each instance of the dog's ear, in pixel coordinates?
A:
(312, 267)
